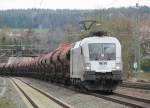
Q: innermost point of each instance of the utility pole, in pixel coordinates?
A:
(139, 42)
(137, 45)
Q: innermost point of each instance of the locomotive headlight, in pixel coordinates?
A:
(118, 66)
(87, 66)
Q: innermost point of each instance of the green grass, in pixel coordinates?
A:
(7, 104)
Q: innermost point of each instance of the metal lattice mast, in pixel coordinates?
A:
(137, 47)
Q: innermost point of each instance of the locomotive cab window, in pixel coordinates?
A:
(102, 51)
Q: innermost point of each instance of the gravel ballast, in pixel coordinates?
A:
(73, 98)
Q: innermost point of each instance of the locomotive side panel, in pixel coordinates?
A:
(76, 64)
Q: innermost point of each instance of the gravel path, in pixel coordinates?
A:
(75, 99)
(10, 97)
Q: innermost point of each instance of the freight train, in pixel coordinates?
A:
(93, 63)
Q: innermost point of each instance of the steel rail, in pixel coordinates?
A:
(145, 86)
(125, 100)
(61, 103)
(132, 97)
(28, 98)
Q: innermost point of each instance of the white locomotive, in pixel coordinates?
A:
(96, 62)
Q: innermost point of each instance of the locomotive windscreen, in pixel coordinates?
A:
(102, 51)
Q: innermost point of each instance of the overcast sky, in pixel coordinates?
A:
(69, 4)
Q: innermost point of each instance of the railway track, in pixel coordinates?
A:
(145, 86)
(39, 96)
(125, 100)
(117, 98)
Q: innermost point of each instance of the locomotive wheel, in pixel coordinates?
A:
(67, 82)
(82, 88)
(108, 92)
(52, 80)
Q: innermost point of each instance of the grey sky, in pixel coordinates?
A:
(69, 4)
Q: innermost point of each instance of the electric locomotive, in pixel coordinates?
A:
(96, 63)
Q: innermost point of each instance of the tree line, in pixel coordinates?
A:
(46, 18)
